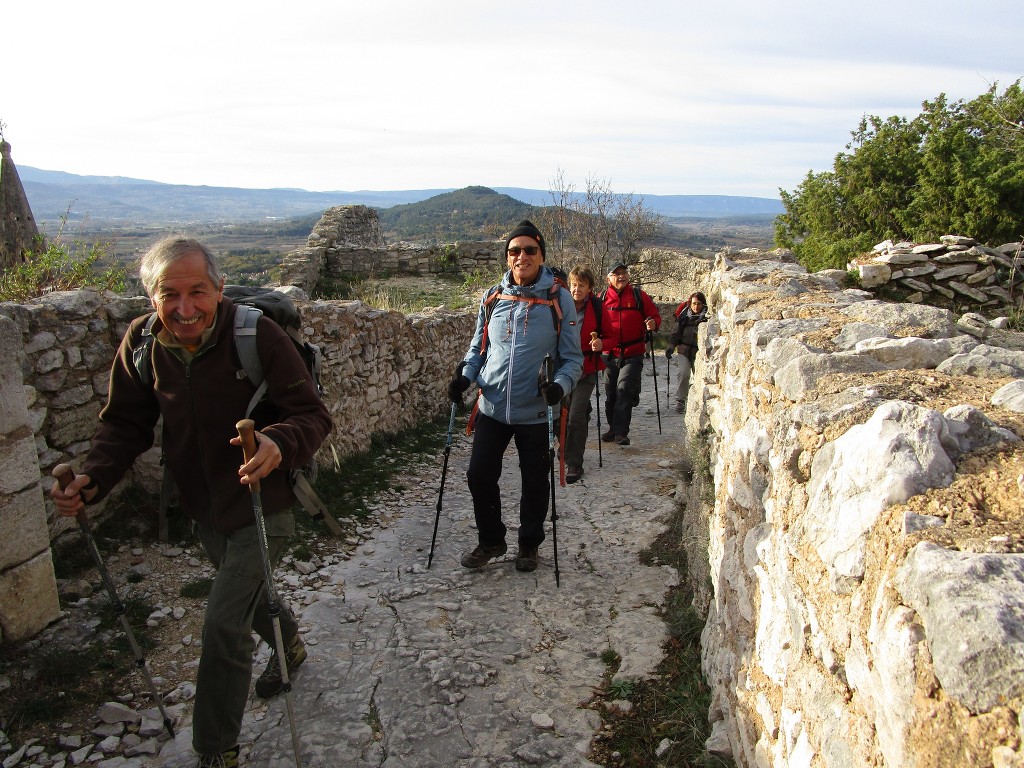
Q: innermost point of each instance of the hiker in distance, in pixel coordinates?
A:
(593, 321)
(689, 315)
(521, 320)
(196, 387)
(633, 315)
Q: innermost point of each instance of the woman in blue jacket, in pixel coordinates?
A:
(521, 321)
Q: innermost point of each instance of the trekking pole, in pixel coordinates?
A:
(64, 475)
(444, 473)
(246, 429)
(597, 391)
(654, 370)
(668, 380)
(549, 375)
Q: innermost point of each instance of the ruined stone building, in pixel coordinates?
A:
(18, 229)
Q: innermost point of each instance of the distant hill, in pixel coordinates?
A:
(121, 201)
(117, 200)
(473, 213)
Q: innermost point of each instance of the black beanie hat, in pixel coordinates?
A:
(525, 227)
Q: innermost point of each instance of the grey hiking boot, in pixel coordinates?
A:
(526, 560)
(225, 759)
(269, 683)
(482, 555)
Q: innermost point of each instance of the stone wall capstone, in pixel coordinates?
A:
(847, 626)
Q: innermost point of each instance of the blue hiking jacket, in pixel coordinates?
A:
(519, 335)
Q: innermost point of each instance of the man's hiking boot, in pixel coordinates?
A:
(680, 406)
(482, 555)
(622, 439)
(608, 436)
(572, 474)
(526, 560)
(225, 759)
(269, 683)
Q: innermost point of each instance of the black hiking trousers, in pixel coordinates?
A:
(490, 441)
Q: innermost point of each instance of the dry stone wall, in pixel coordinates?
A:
(347, 240)
(956, 269)
(845, 625)
(383, 372)
(28, 591)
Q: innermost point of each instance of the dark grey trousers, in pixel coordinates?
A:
(236, 608)
(622, 391)
(578, 424)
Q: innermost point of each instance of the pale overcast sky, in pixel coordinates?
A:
(730, 97)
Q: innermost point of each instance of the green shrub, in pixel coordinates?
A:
(61, 267)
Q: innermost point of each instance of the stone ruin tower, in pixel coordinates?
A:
(346, 238)
(18, 231)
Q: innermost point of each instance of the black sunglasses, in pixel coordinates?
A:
(529, 250)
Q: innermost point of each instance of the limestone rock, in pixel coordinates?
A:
(966, 595)
(843, 505)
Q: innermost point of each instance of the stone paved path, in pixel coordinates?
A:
(450, 667)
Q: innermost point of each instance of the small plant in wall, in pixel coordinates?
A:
(448, 257)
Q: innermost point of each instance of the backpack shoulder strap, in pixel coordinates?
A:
(638, 298)
(493, 294)
(246, 318)
(142, 355)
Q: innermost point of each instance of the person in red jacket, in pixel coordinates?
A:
(633, 315)
(594, 319)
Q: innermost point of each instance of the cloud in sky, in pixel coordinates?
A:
(659, 97)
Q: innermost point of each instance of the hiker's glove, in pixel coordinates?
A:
(668, 353)
(458, 385)
(552, 393)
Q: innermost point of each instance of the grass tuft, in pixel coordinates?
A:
(197, 589)
(672, 705)
(348, 490)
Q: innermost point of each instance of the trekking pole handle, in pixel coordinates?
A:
(247, 434)
(64, 474)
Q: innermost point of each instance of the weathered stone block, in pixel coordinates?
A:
(967, 291)
(23, 522)
(916, 285)
(73, 425)
(963, 595)
(28, 598)
(955, 271)
(18, 459)
(873, 275)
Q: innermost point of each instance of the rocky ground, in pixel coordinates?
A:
(163, 575)
(408, 666)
